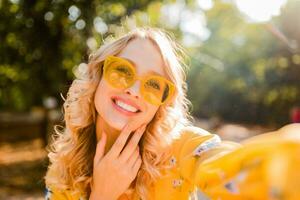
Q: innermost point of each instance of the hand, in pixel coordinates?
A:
(114, 172)
(290, 131)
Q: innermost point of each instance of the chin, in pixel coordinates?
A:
(119, 125)
(116, 125)
(117, 121)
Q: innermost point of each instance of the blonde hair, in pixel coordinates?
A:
(72, 151)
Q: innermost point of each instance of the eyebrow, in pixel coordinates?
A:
(133, 63)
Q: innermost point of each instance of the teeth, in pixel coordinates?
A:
(126, 106)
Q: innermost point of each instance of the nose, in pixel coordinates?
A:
(134, 90)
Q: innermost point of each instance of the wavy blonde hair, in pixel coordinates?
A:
(73, 148)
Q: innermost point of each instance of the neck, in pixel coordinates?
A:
(111, 133)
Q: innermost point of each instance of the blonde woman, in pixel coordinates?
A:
(128, 135)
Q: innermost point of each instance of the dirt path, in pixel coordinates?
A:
(22, 166)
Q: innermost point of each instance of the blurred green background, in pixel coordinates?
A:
(244, 75)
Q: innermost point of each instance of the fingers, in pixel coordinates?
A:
(134, 157)
(137, 165)
(121, 141)
(100, 148)
(132, 144)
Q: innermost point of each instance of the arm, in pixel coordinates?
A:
(260, 169)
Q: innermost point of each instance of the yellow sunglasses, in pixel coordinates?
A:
(121, 74)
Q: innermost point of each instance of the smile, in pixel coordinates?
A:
(124, 107)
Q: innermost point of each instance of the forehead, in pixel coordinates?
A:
(144, 55)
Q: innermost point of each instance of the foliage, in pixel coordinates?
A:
(243, 72)
(240, 71)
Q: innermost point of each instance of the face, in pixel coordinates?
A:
(117, 107)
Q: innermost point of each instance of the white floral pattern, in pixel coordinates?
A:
(205, 146)
(177, 183)
(48, 193)
(173, 161)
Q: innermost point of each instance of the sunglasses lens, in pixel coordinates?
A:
(119, 75)
(156, 90)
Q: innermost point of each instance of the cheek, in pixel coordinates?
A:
(147, 116)
(100, 94)
(151, 111)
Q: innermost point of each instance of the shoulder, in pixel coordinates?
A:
(194, 131)
(195, 146)
(194, 142)
(190, 137)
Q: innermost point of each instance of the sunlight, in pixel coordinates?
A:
(262, 11)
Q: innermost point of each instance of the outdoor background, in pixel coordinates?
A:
(243, 77)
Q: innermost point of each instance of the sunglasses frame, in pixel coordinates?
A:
(110, 59)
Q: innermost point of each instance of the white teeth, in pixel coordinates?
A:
(126, 106)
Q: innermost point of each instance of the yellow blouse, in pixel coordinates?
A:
(260, 169)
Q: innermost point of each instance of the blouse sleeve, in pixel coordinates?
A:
(260, 169)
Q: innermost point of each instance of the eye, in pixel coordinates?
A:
(153, 84)
(166, 93)
(124, 70)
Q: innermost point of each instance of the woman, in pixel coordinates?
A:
(128, 134)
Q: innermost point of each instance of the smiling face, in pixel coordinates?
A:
(117, 107)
